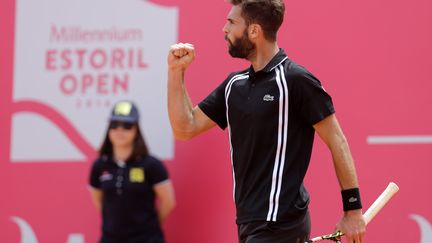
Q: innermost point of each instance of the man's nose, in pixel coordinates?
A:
(225, 29)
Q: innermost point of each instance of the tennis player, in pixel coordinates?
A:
(272, 110)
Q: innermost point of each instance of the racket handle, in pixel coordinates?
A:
(380, 202)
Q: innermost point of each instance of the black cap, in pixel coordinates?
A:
(125, 111)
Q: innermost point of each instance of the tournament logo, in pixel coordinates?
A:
(425, 228)
(136, 175)
(71, 67)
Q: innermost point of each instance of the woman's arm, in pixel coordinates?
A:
(166, 199)
(96, 195)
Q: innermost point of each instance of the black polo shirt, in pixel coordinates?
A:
(269, 115)
(128, 204)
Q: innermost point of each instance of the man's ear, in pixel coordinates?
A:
(254, 31)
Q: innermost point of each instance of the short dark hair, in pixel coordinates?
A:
(139, 146)
(268, 14)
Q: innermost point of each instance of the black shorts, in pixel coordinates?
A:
(133, 239)
(275, 232)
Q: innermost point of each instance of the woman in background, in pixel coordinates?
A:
(131, 187)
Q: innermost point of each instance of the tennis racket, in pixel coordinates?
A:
(379, 203)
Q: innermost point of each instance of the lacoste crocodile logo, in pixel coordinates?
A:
(268, 97)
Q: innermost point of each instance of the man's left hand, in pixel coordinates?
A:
(353, 225)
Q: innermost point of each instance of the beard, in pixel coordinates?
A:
(241, 47)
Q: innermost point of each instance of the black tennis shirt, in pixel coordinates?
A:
(270, 116)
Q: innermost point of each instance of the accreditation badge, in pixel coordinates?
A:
(136, 175)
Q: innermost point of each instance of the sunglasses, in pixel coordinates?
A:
(125, 125)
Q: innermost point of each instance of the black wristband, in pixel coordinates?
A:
(351, 199)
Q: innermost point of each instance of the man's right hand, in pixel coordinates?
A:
(180, 56)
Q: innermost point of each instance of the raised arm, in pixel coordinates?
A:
(186, 120)
(352, 224)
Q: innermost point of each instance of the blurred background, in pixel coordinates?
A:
(64, 63)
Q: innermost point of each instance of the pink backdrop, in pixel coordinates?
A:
(372, 56)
